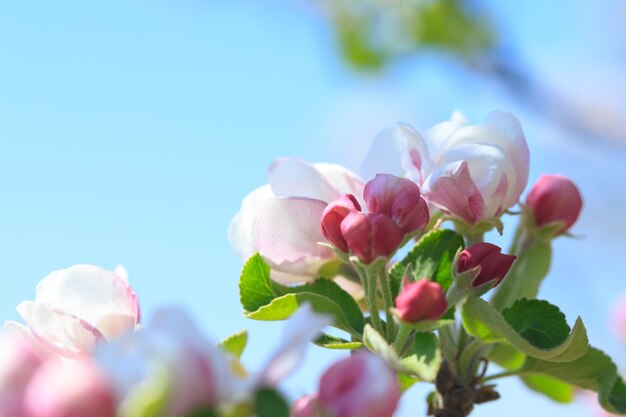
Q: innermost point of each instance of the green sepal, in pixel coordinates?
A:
(536, 328)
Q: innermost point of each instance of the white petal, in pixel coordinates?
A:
(242, 228)
(23, 333)
(401, 151)
(293, 177)
(341, 179)
(121, 272)
(92, 294)
(301, 329)
(287, 233)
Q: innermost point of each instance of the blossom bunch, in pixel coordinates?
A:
(391, 268)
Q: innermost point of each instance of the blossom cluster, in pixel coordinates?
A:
(323, 250)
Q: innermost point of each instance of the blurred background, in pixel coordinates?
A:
(131, 130)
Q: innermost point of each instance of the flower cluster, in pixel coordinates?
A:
(324, 248)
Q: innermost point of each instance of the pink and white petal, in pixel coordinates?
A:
(519, 153)
(437, 135)
(242, 228)
(293, 177)
(288, 232)
(398, 150)
(487, 165)
(93, 294)
(452, 189)
(65, 334)
(342, 180)
(285, 278)
(23, 333)
(121, 272)
(301, 329)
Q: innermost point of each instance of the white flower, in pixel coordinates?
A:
(472, 172)
(281, 220)
(74, 309)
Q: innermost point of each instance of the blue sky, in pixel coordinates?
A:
(131, 130)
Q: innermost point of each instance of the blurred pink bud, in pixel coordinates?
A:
(18, 363)
(70, 390)
(359, 386)
(332, 217)
(421, 300)
(308, 406)
(555, 198)
(371, 235)
(494, 265)
(399, 199)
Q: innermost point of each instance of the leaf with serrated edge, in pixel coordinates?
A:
(431, 257)
(485, 322)
(332, 342)
(281, 308)
(254, 285)
(594, 371)
(235, 343)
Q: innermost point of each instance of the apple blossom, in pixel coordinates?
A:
(359, 386)
(181, 368)
(281, 220)
(72, 389)
(471, 172)
(493, 264)
(18, 363)
(333, 215)
(421, 300)
(75, 308)
(370, 236)
(555, 199)
(308, 406)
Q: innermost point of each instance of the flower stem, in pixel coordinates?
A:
(387, 300)
(500, 375)
(372, 299)
(401, 338)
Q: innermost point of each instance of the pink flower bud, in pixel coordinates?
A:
(555, 198)
(18, 363)
(332, 217)
(359, 386)
(70, 390)
(494, 265)
(308, 406)
(399, 199)
(371, 235)
(421, 300)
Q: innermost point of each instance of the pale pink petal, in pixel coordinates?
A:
(453, 190)
(399, 150)
(242, 228)
(487, 166)
(121, 272)
(301, 329)
(63, 333)
(288, 232)
(437, 135)
(94, 295)
(293, 177)
(24, 334)
(341, 179)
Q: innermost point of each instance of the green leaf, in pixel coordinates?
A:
(553, 388)
(526, 275)
(235, 343)
(264, 299)
(269, 403)
(532, 337)
(332, 342)
(430, 257)
(424, 358)
(202, 412)
(593, 371)
(254, 285)
(506, 356)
